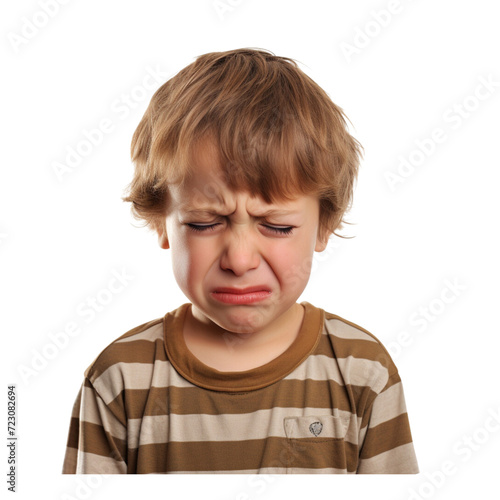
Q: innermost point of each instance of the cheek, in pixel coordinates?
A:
(293, 264)
(189, 260)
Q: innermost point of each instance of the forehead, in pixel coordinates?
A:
(214, 197)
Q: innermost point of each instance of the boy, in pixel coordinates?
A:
(244, 168)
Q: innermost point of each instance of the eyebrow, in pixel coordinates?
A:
(214, 211)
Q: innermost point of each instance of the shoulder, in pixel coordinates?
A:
(138, 345)
(362, 357)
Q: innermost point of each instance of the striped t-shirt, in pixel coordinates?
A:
(331, 403)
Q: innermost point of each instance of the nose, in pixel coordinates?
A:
(240, 254)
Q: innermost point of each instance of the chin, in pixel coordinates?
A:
(241, 322)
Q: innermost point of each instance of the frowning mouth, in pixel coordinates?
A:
(246, 295)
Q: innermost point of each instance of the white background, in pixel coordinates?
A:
(61, 239)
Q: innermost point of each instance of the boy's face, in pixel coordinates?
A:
(223, 241)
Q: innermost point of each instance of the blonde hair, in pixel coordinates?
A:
(276, 131)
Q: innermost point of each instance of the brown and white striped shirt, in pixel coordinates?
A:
(331, 403)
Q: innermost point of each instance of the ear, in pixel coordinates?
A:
(163, 239)
(322, 240)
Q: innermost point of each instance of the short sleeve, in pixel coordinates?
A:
(97, 438)
(386, 445)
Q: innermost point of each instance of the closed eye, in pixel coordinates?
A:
(202, 227)
(279, 229)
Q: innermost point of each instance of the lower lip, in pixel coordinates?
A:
(241, 298)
